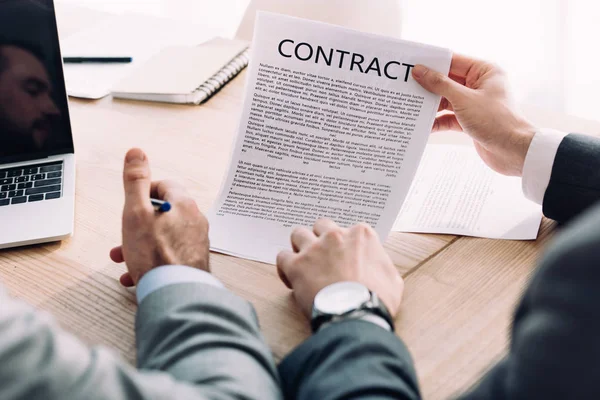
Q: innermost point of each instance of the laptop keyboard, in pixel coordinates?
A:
(31, 183)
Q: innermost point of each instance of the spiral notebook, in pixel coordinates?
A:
(186, 74)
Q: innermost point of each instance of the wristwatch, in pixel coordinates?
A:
(347, 301)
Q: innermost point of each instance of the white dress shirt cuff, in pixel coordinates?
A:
(539, 162)
(171, 275)
(372, 318)
(377, 320)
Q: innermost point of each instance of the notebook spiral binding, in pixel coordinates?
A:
(220, 79)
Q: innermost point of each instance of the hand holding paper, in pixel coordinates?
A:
(477, 96)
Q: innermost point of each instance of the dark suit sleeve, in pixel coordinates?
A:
(555, 349)
(575, 181)
(350, 360)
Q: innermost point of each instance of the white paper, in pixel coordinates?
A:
(128, 35)
(454, 192)
(318, 140)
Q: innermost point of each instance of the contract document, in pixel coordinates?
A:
(333, 126)
(454, 192)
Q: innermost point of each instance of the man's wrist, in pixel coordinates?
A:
(348, 300)
(521, 142)
(359, 316)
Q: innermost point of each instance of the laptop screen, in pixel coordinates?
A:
(34, 117)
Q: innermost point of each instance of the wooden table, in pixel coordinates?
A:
(460, 292)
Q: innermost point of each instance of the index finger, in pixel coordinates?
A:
(324, 225)
(167, 190)
(284, 261)
(461, 65)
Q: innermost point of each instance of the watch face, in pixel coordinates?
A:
(341, 297)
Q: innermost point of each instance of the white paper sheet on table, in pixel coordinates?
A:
(454, 192)
(297, 157)
(128, 35)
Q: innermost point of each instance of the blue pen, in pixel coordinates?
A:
(160, 206)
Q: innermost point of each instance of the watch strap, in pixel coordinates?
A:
(363, 316)
(374, 307)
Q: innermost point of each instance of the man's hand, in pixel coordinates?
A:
(150, 239)
(477, 96)
(331, 254)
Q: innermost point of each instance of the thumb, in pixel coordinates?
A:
(438, 83)
(136, 179)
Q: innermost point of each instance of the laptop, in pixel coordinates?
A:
(37, 157)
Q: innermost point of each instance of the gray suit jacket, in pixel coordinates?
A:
(194, 341)
(555, 347)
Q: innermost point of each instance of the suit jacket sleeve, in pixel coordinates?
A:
(350, 360)
(575, 181)
(555, 351)
(194, 341)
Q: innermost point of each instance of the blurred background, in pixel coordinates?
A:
(548, 47)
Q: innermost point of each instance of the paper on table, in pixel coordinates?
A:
(454, 192)
(128, 35)
(335, 137)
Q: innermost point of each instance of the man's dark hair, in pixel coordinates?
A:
(28, 47)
